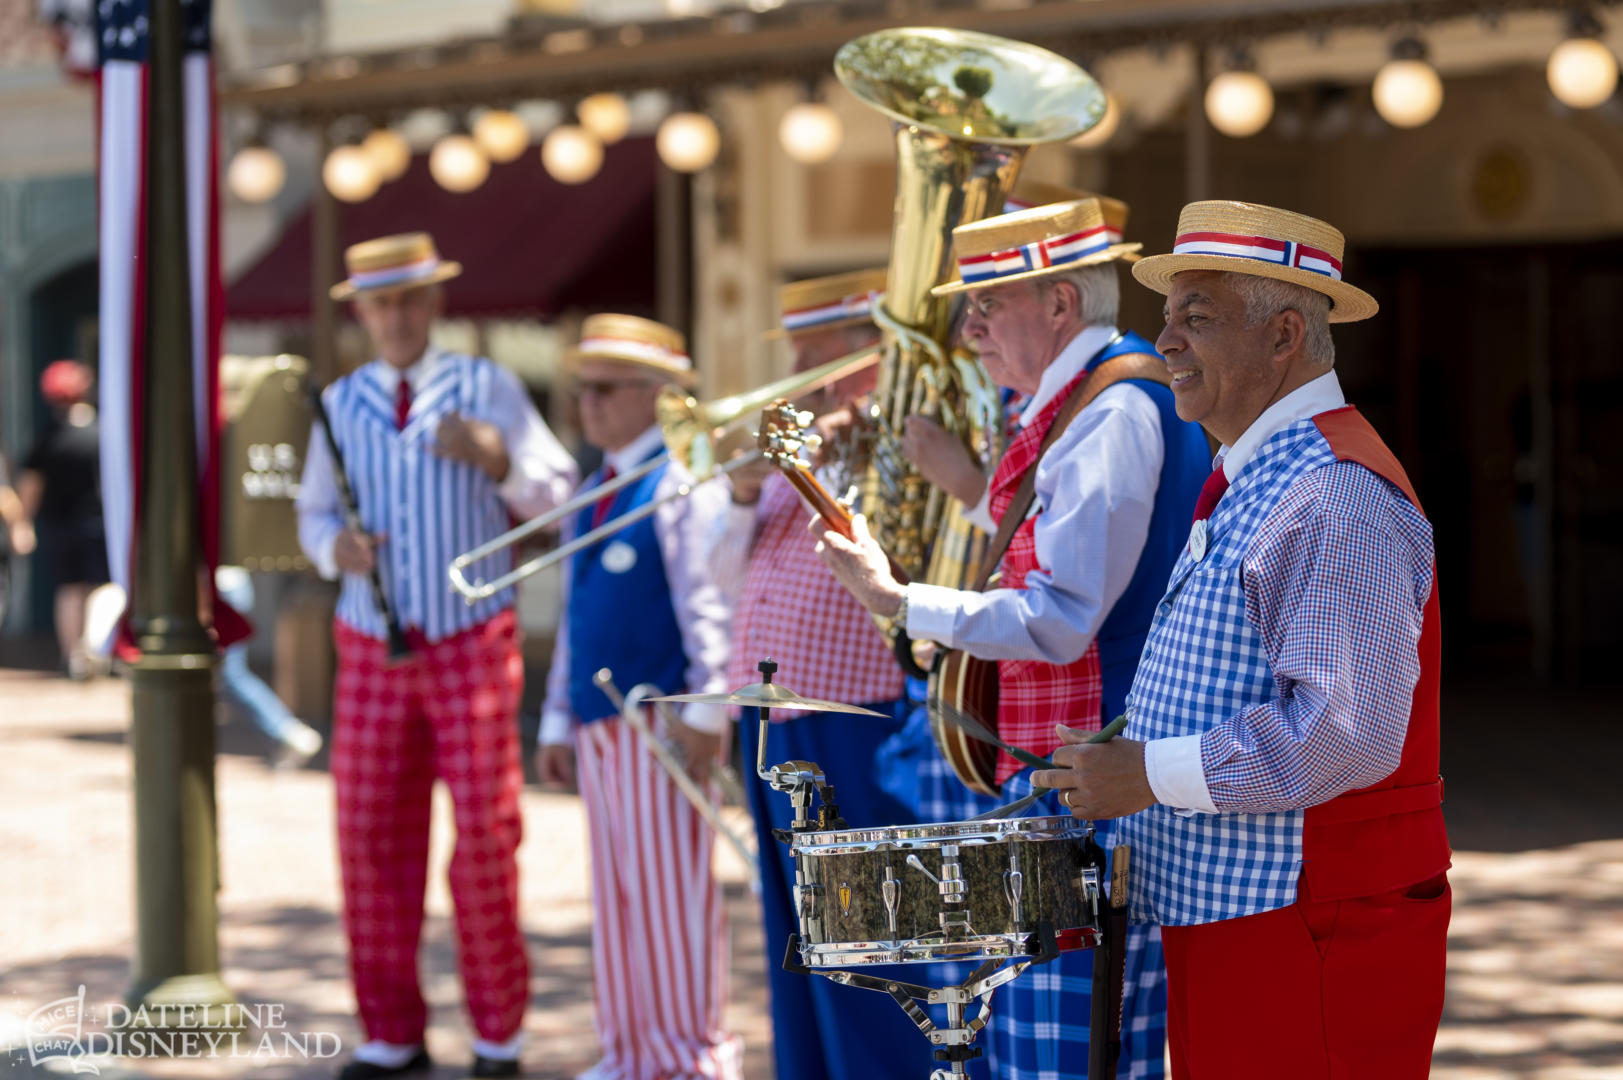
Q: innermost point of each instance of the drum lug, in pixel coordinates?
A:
(891, 889)
(1014, 887)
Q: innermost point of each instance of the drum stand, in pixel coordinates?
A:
(953, 1042)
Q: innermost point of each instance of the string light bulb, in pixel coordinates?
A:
(1582, 72)
(458, 164)
(256, 173)
(501, 134)
(389, 151)
(687, 141)
(1239, 103)
(571, 154)
(1407, 91)
(605, 115)
(810, 132)
(350, 174)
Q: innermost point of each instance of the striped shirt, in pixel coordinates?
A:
(429, 508)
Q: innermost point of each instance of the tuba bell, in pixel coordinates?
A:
(965, 109)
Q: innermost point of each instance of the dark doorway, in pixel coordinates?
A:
(1496, 374)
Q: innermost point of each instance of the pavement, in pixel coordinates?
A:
(1535, 967)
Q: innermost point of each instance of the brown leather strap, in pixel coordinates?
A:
(1100, 379)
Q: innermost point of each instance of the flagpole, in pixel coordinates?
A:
(177, 956)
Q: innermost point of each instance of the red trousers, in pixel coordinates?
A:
(1320, 990)
(450, 713)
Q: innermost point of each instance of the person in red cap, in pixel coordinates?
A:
(60, 493)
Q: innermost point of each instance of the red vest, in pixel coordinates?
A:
(1391, 833)
(1033, 695)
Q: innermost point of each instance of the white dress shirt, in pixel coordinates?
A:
(1095, 493)
(685, 529)
(540, 471)
(1173, 766)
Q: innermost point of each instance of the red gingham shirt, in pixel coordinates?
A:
(793, 610)
(1033, 695)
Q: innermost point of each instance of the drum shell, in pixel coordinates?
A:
(848, 870)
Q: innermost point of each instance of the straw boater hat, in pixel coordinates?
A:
(1249, 239)
(1035, 243)
(391, 263)
(627, 339)
(825, 303)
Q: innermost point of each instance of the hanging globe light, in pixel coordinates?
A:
(256, 173)
(501, 134)
(571, 154)
(389, 151)
(605, 115)
(350, 174)
(1239, 103)
(1100, 133)
(810, 132)
(1407, 91)
(458, 164)
(1582, 72)
(687, 141)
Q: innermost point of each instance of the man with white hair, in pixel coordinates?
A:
(1278, 775)
(1090, 504)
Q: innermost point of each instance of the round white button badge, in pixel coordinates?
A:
(619, 557)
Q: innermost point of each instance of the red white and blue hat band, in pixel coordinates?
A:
(1038, 255)
(1262, 248)
(404, 274)
(859, 306)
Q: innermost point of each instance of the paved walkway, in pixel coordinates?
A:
(1536, 969)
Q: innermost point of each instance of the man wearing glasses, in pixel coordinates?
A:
(642, 603)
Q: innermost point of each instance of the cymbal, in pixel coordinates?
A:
(771, 696)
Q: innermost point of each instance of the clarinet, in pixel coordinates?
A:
(398, 646)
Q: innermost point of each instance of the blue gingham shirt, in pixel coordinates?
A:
(1286, 659)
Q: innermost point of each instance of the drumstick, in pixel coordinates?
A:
(1104, 734)
(977, 731)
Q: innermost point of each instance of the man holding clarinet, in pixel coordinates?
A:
(438, 450)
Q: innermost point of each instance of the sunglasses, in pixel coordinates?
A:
(606, 387)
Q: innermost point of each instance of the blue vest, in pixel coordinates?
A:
(620, 614)
(1186, 461)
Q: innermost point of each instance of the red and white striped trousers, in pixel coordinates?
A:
(449, 711)
(659, 929)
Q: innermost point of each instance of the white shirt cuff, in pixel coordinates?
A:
(980, 515)
(322, 557)
(1176, 776)
(516, 485)
(557, 728)
(710, 719)
(932, 612)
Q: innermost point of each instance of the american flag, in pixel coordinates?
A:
(123, 34)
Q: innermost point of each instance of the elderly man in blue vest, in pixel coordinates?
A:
(642, 603)
(1114, 474)
(440, 449)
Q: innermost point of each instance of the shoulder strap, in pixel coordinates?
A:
(1134, 365)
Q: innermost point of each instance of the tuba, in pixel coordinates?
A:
(965, 108)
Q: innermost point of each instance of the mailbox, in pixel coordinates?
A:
(267, 430)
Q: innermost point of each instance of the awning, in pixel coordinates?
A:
(528, 244)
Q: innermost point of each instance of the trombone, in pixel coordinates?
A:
(691, 432)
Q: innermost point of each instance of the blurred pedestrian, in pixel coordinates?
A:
(60, 492)
(297, 742)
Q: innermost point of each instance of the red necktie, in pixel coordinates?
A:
(600, 509)
(402, 403)
(1211, 491)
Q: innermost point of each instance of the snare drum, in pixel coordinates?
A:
(959, 890)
